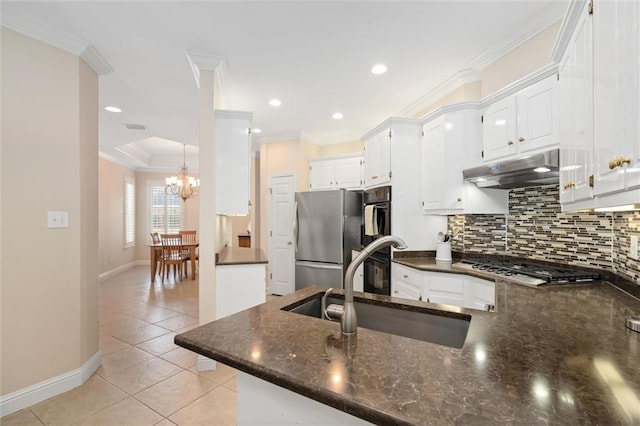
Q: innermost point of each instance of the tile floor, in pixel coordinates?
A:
(144, 379)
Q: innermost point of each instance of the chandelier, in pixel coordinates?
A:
(183, 185)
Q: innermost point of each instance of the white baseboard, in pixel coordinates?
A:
(205, 364)
(143, 262)
(117, 270)
(49, 388)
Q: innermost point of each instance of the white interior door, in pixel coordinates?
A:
(281, 245)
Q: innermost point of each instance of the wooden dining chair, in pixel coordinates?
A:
(155, 238)
(189, 237)
(172, 254)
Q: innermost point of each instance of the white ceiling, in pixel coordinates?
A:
(314, 56)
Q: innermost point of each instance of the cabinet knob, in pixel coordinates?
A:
(289, 243)
(405, 276)
(395, 292)
(459, 199)
(510, 143)
(569, 185)
(520, 139)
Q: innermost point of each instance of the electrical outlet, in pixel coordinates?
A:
(633, 247)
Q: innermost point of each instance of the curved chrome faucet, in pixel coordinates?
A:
(349, 320)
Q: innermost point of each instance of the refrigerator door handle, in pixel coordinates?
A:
(316, 265)
(295, 224)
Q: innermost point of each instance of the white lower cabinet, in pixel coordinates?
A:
(358, 278)
(442, 287)
(406, 282)
(239, 287)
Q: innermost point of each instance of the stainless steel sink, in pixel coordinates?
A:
(429, 325)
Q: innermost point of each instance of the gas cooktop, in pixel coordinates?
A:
(529, 272)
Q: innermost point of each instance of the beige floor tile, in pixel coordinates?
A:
(108, 344)
(141, 334)
(231, 384)
(222, 373)
(159, 345)
(123, 326)
(76, 405)
(216, 408)
(166, 422)
(181, 357)
(177, 391)
(121, 360)
(128, 412)
(178, 322)
(109, 317)
(21, 418)
(152, 313)
(141, 376)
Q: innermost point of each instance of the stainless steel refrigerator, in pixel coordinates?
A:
(327, 225)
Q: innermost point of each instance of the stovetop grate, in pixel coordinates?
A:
(549, 273)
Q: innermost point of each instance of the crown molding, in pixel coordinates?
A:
(447, 109)
(59, 39)
(458, 79)
(389, 123)
(569, 23)
(95, 60)
(225, 113)
(520, 84)
(208, 62)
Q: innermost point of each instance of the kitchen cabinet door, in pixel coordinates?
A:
(384, 158)
(616, 96)
(445, 288)
(434, 176)
(321, 174)
(537, 111)
(480, 294)
(499, 129)
(348, 173)
(371, 163)
(522, 123)
(575, 93)
(233, 162)
(406, 282)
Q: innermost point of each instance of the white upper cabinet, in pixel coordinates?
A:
(377, 159)
(600, 89)
(233, 162)
(525, 122)
(450, 143)
(336, 173)
(616, 95)
(575, 90)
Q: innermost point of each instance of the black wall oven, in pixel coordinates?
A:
(377, 268)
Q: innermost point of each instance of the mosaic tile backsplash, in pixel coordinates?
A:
(535, 228)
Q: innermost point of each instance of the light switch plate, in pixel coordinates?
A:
(633, 247)
(57, 219)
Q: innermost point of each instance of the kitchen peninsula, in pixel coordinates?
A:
(559, 355)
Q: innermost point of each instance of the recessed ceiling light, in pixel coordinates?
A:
(379, 69)
(134, 126)
(275, 102)
(337, 116)
(256, 130)
(112, 108)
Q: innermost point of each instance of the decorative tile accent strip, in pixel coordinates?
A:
(536, 228)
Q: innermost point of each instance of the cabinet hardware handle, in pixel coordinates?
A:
(520, 139)
(405, 276)
(619, 162)
(569, 185)
(510, 143)
(395, 292)
(374, 177)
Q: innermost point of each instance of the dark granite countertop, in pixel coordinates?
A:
(558, 355)
(240, 256)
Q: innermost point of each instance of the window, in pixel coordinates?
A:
(166, 211)
(129, 212)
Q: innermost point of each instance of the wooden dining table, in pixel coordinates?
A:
(155, 251)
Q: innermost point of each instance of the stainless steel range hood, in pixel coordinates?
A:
(533, 170)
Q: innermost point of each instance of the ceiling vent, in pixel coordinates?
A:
(132, 126)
